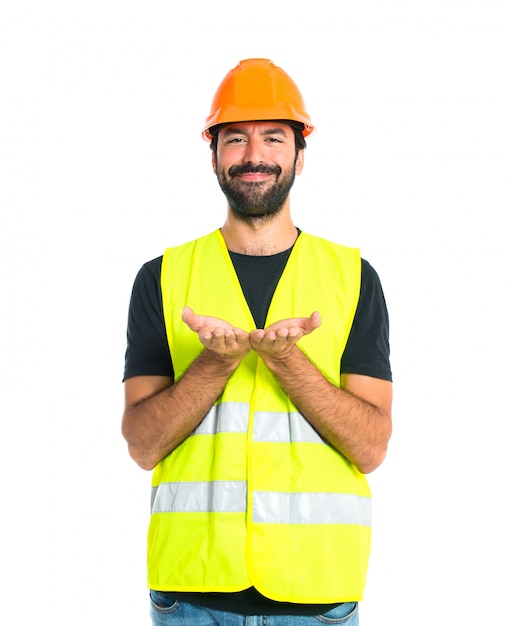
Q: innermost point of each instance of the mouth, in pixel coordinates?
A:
(253, 177)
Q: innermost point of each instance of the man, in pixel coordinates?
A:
(258, 388)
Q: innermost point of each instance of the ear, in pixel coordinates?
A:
(299, 163)
(214, 163)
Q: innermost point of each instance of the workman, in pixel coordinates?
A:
(258, 389)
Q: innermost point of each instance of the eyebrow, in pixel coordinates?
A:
(277, 130)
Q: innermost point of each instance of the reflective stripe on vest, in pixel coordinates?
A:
(225, 496)
(222, 496)
(233, 417)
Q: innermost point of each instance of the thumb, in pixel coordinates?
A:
(190, 318)
(313, 321)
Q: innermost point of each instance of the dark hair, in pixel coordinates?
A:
(300, 142)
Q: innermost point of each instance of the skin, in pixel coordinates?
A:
(159, 414)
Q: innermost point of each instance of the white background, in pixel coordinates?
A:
(102, 167)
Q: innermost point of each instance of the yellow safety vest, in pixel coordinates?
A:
(254, 496)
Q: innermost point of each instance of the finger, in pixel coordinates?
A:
(256, 336)
(205, 335)
(241, 336)
(282, 334)
(294, 332)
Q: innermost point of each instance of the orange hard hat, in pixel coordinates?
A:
(257, 90)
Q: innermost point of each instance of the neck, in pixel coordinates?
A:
(259, 237)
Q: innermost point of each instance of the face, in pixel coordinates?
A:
(256, 166)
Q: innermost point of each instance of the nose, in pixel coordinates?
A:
(253, 152)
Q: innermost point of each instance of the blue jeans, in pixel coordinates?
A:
(175, 613)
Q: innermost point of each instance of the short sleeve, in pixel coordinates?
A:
(367, 351)
(147, 352)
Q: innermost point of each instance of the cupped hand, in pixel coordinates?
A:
(278, 339)
(217, 334)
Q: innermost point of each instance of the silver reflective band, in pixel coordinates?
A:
(229, 496)
(230, 417)
(311, 508)
(284, 428)
(233, 417)
(221, 496)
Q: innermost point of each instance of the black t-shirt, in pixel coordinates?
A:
(148, 354)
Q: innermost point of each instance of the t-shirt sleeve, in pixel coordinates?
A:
(367, 350)
(147, 352)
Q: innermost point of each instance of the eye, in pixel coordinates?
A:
(235, 140)
(274, 139)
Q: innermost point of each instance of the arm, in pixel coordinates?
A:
(355, 419)
(158, 414)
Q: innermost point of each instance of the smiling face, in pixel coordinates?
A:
(256, 164)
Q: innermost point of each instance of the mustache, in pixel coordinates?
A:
(249, 168)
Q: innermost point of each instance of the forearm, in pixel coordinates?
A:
(156, 425)
(357, 428)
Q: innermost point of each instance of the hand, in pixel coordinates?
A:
(278, 340)
(218, 335)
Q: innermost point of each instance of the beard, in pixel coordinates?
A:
(250, 200)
